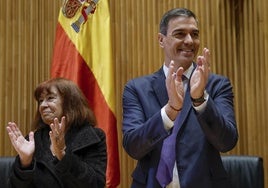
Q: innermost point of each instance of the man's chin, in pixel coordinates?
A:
(185, 60)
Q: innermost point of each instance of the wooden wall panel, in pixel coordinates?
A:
(236, 32)
(27, 37)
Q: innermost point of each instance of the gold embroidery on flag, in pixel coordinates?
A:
(70, 7)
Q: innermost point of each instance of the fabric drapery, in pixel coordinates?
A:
(83, 54)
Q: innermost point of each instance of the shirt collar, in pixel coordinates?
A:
(186, 73)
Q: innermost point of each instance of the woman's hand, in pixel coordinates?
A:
(57, 137)
(24, 147)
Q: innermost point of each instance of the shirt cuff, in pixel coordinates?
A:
(168, 123)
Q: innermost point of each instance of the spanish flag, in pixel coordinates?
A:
(83, 53)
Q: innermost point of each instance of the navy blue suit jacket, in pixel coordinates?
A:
(201, 138)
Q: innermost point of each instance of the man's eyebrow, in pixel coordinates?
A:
(183, 30)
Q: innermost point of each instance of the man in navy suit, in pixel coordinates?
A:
(203, 104)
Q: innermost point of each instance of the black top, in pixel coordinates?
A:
(83, 166)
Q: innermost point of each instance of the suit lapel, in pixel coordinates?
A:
(159, 86)
(187, 105)
(185, 109)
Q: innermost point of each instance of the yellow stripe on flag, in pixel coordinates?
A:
(84, 55)
(93, 43)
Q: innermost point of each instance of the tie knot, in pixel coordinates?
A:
(184, 78)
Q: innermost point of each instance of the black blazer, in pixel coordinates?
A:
(83, 166)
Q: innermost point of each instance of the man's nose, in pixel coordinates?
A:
(188, 38)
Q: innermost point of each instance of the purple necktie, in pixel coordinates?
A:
(166, 164)
(164, 173)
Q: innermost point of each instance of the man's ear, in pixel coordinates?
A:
(161, 40)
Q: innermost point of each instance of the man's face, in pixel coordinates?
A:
(181, 43)
(50, 106)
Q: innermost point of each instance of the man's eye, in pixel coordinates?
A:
(195, 35)
(178, 35)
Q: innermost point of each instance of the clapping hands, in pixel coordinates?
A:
(24, 147)
(57, 137)
(200, 75)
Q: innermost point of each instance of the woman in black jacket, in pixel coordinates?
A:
(66, 150)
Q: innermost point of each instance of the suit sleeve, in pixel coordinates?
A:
(218, 119)
(143, 127)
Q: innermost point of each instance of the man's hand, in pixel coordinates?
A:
(175, 90)
(200, 75)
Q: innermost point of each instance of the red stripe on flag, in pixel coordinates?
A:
(68, 63)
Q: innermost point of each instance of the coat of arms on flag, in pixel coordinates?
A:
(83, 54)
(70, 8)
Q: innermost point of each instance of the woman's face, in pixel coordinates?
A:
(50, 105)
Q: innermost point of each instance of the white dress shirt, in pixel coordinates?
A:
(168, 123)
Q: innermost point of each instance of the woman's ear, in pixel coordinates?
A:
(161, 39)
